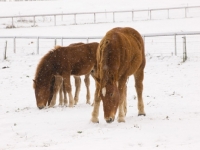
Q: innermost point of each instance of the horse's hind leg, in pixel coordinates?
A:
(61, 95)
(139, 76)
(78, 87)
(65, 95)
(56, 88)
(68, 88)
(87, 84)
(125, 100)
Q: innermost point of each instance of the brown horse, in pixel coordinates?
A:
(58, 86)
(119, 55)
(64, 61)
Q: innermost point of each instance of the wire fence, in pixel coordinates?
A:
(159, 45)
(98, 17)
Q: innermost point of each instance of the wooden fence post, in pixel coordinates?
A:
(113, 17)
(74, 18)
(5, 51)
(54, 20)
(94, 18)
(132, 15)
(61, 41)
(184, 49)
(14, 44)
(175, 45)
(55, 42)
(37, 45)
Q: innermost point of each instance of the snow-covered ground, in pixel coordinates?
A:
(171, 88)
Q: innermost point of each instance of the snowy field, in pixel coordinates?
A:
(171, 87)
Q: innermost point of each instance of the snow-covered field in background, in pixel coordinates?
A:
(171, 88)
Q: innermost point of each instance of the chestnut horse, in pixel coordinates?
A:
(64, 61)
(119, 55)
(58, 86)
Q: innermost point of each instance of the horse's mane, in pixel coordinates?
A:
(44, 64)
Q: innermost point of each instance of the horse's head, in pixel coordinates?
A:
(42, 94)
(110, 97)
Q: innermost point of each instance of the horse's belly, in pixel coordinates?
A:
(83, 70)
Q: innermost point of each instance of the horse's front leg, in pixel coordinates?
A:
(68, 88)
(61, 101)
(62, 92)
(87, 84)
(96, 104)
(122, 103)
(57, 85)
(78, 87)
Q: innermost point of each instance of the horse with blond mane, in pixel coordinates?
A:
(120, 54)
(64, 61)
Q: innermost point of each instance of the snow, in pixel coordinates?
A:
(171, 88)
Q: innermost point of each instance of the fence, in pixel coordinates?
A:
(55, 40)
(187, 11)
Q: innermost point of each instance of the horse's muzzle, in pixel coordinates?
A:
(41, 107)
(110, 120)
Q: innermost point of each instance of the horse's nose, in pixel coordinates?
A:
(110, 120)
(40, 107)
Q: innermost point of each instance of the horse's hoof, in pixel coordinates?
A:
(141, 114)
(121, 119)
(71, 106)
(88, 103)
(95, 120)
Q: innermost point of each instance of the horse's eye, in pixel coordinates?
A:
(111, 94)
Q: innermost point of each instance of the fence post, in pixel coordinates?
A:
(175, 52)
(94, 18)
(143, 37)
(55, 42)
(113, 17)
(62, 16)
(37, 45)
(132, 15)
(14, 44)
(168, 14)
(34, 21)
(12, 23)
(74, 18)
(4, 57)
(149, 14)
(54, 20)
(184, 49)
(185, 12)
(61, 41)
